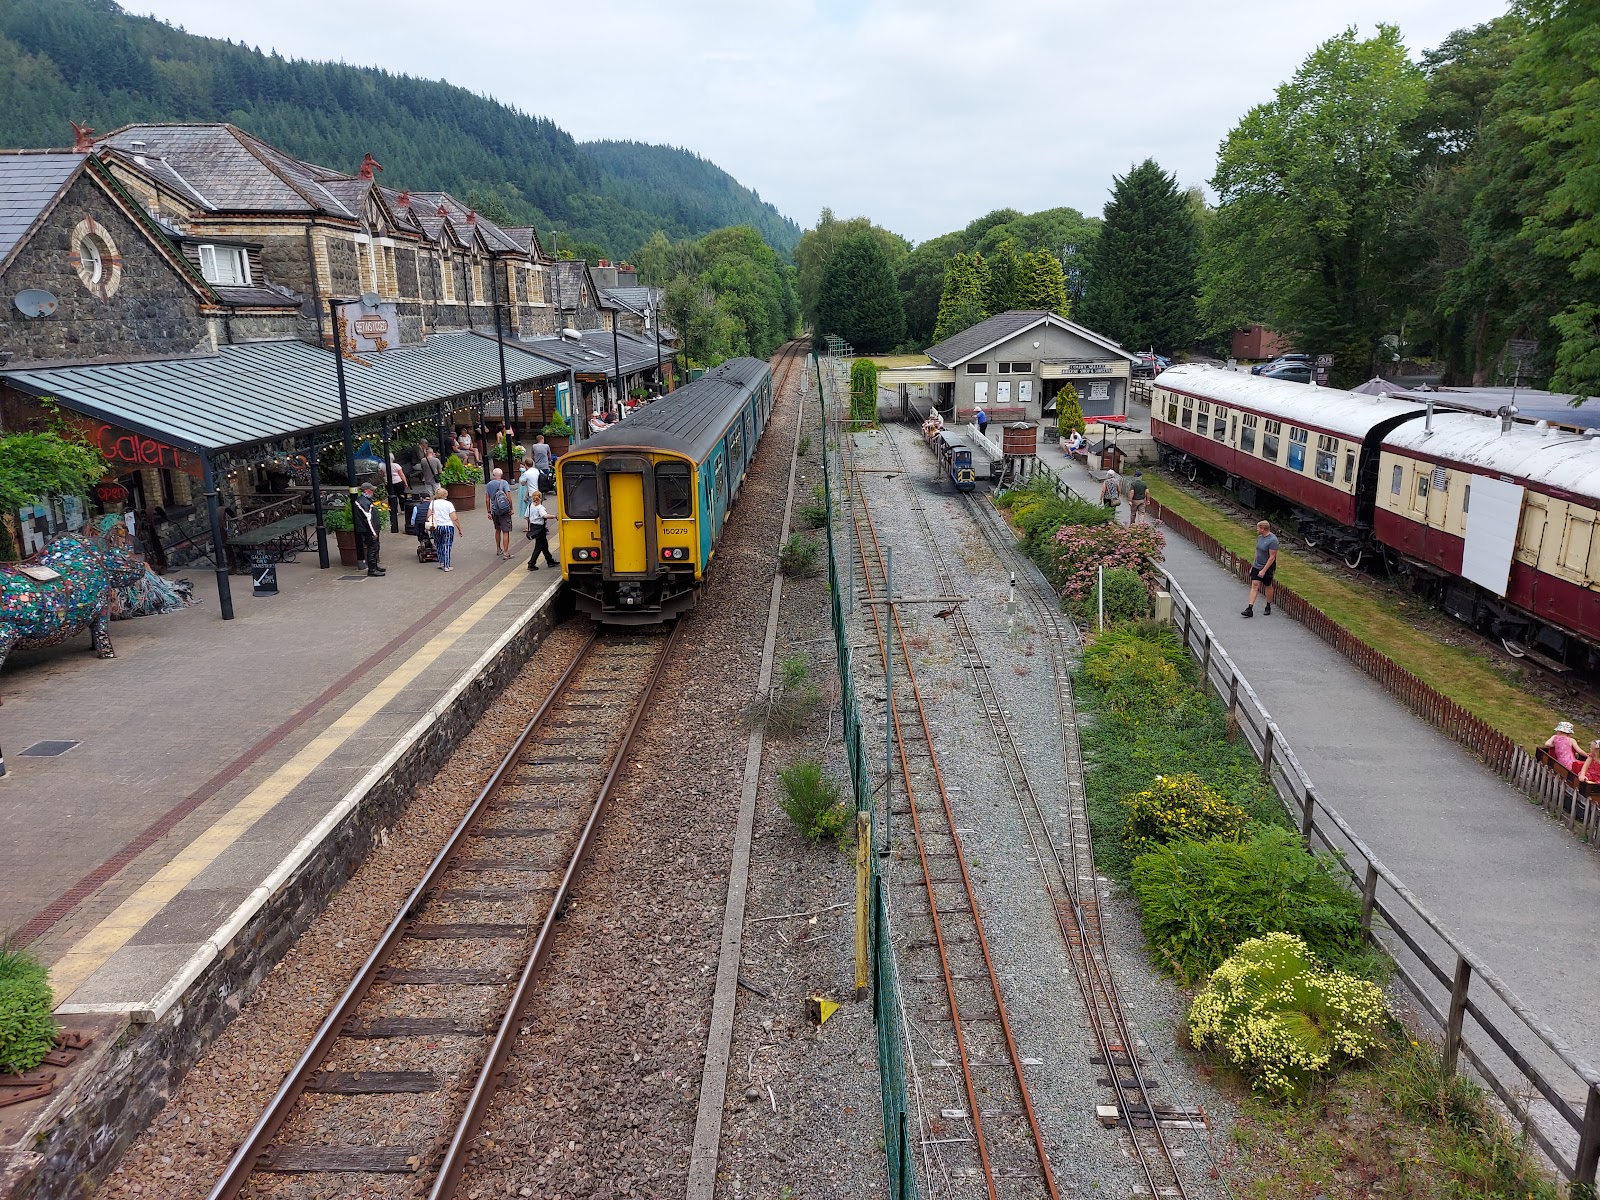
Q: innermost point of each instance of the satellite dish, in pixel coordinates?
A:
(36, 302)
(370, 299)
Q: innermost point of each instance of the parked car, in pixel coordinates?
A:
(1294, 372)
(1149, 365)
(1281, 360)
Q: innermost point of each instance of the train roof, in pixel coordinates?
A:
(690, 420)
(1548, 459)
(1350, 415)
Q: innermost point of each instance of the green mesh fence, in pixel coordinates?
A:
(885, 981)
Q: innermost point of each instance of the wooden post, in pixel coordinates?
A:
(1458, 1012)
(1369, 898)
(1308, 817)
(1266, 754)
(863, 862)
(1588, 1158)
(1205, 666)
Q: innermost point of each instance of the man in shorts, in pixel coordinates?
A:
(1263, 569)
(497, 500)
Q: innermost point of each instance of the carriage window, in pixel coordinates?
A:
(1172, 412)
(1420, 500)
(579, 492)
(1201, 424)
(1247, 433)
(1327, 457)
(1188, 416)
(674, 499)
(1349, 465)
(1269, 440)
(1395, 478)
(1219, 426)
(1297, 448)
(736, 450)
(1466, 498)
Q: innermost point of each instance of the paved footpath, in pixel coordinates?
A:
(1511, 883)
(207, 750)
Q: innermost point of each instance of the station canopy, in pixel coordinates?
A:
(265, 392)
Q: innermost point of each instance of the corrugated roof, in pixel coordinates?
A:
(592, 351)
(264, 391)
(956, 350)
(691, 419)
(28, 184)
(1554, 458)
(1332, 410)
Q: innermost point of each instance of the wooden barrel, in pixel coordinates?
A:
(1021, 440)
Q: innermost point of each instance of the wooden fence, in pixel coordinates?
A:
(1554, 788)
(1544, 1084)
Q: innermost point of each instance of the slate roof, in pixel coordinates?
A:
(264, 391)
(690, 420)
(29, 184)
(494, 237)
(232, 170)
(634, 299)
(591, 352)
(525, 236)
(258, 296)
(969, 343)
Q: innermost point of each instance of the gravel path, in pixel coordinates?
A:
(186, 1146)
(1047, 1015)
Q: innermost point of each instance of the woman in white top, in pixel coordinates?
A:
(538, 521)
(445, 527)
(527, 485)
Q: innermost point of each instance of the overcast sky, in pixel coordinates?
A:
(921, 114)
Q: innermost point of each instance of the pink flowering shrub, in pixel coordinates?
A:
(1080, 550)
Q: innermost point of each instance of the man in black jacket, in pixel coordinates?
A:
(367, 525)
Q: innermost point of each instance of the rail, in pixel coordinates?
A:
(1450, 982)
(1555, 789)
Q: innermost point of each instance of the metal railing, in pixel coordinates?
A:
(1546, 1086)
(897, 1142)
(1556, 789)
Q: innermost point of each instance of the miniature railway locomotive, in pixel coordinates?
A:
(643, 503)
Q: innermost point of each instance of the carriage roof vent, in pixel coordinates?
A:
(1543, 427)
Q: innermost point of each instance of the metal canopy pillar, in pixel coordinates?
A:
(316, 506)
(388, 480)
(219, 541)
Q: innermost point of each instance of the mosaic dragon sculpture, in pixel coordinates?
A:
(78, 582)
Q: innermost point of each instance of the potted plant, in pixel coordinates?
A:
(336, 519)
(558, 433)
(461, 482)
(498, 453)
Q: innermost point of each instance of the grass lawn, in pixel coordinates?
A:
(1468, 676)
(900, 360)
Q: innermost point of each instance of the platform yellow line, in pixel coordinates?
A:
(138, 910)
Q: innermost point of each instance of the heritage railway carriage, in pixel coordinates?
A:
(1499, 519)
(1316, 448)
(644, 502)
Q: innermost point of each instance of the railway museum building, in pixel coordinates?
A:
(1014, 364)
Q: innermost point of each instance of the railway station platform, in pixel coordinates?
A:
(211, 762)
(1511, 883)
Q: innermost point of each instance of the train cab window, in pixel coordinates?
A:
(1396, 478)
(1247, 433)
(1269, 440)
(674, 497)
(1297, 448)
(579, 491)
(1327, 456)
(1349, 466)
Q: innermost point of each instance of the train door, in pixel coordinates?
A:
(627, 517)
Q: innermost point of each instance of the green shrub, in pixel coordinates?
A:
(1200, 900)
(27, 1030)
(803, 446)
(1152, 639)
(1180, 808)
(1126, 596)
(456, 471)
(815, 512)
(798, 555)
(793, 700)
(1134, 675)
(864, 391)
(1069, 413)
(1274, 1013)
(812, 800)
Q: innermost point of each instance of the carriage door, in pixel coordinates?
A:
(627, 517)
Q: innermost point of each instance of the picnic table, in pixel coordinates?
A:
(280, 541)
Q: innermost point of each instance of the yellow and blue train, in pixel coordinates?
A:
(643, 503)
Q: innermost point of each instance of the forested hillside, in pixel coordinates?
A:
(87, 60)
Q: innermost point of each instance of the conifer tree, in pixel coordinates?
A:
(859, 299)
(1143, 271)
(1004, 272)
(961, 302)
(1041, 284)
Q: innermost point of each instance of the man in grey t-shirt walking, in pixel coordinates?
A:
(1263, 569)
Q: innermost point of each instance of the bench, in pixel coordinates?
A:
(280, 541)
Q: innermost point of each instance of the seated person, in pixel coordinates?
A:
(1075, 444)
(597, 422)
(1563, 748)
(1591, 766)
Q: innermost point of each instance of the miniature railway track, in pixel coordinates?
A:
(1068, 871)
(399, 1104)
(1008, 1152)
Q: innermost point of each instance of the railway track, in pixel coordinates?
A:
(1067, 867)
(1005, 1153)
(382, 1091)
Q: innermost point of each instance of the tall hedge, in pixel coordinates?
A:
(864, 390)
(860, 299)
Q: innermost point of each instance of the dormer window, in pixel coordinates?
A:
(227, 266)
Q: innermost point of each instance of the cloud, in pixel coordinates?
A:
(921, 115)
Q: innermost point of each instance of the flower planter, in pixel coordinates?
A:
(347, 547)
(558, 443)
(463, 495)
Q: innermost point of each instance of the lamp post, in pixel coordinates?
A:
(616, 359)
(655, 324)
(367, 300)
(500, 345)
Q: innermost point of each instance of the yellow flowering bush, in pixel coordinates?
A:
(1276, 1014)
(1180, 808)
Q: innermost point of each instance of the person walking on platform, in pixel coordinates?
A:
(429, 468)
(1138, 497)
(497, 502)
(444, 526)
(541, 454)
(538, 523)
(1263, 569)
(982, 421)
(367, 527)
(1111, 489)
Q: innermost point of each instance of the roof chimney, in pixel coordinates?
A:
(82, 138)
(472, 216)
(369, 165)
(404, 200)
(443, 211)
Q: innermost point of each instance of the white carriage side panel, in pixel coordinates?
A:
(1491, 532)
